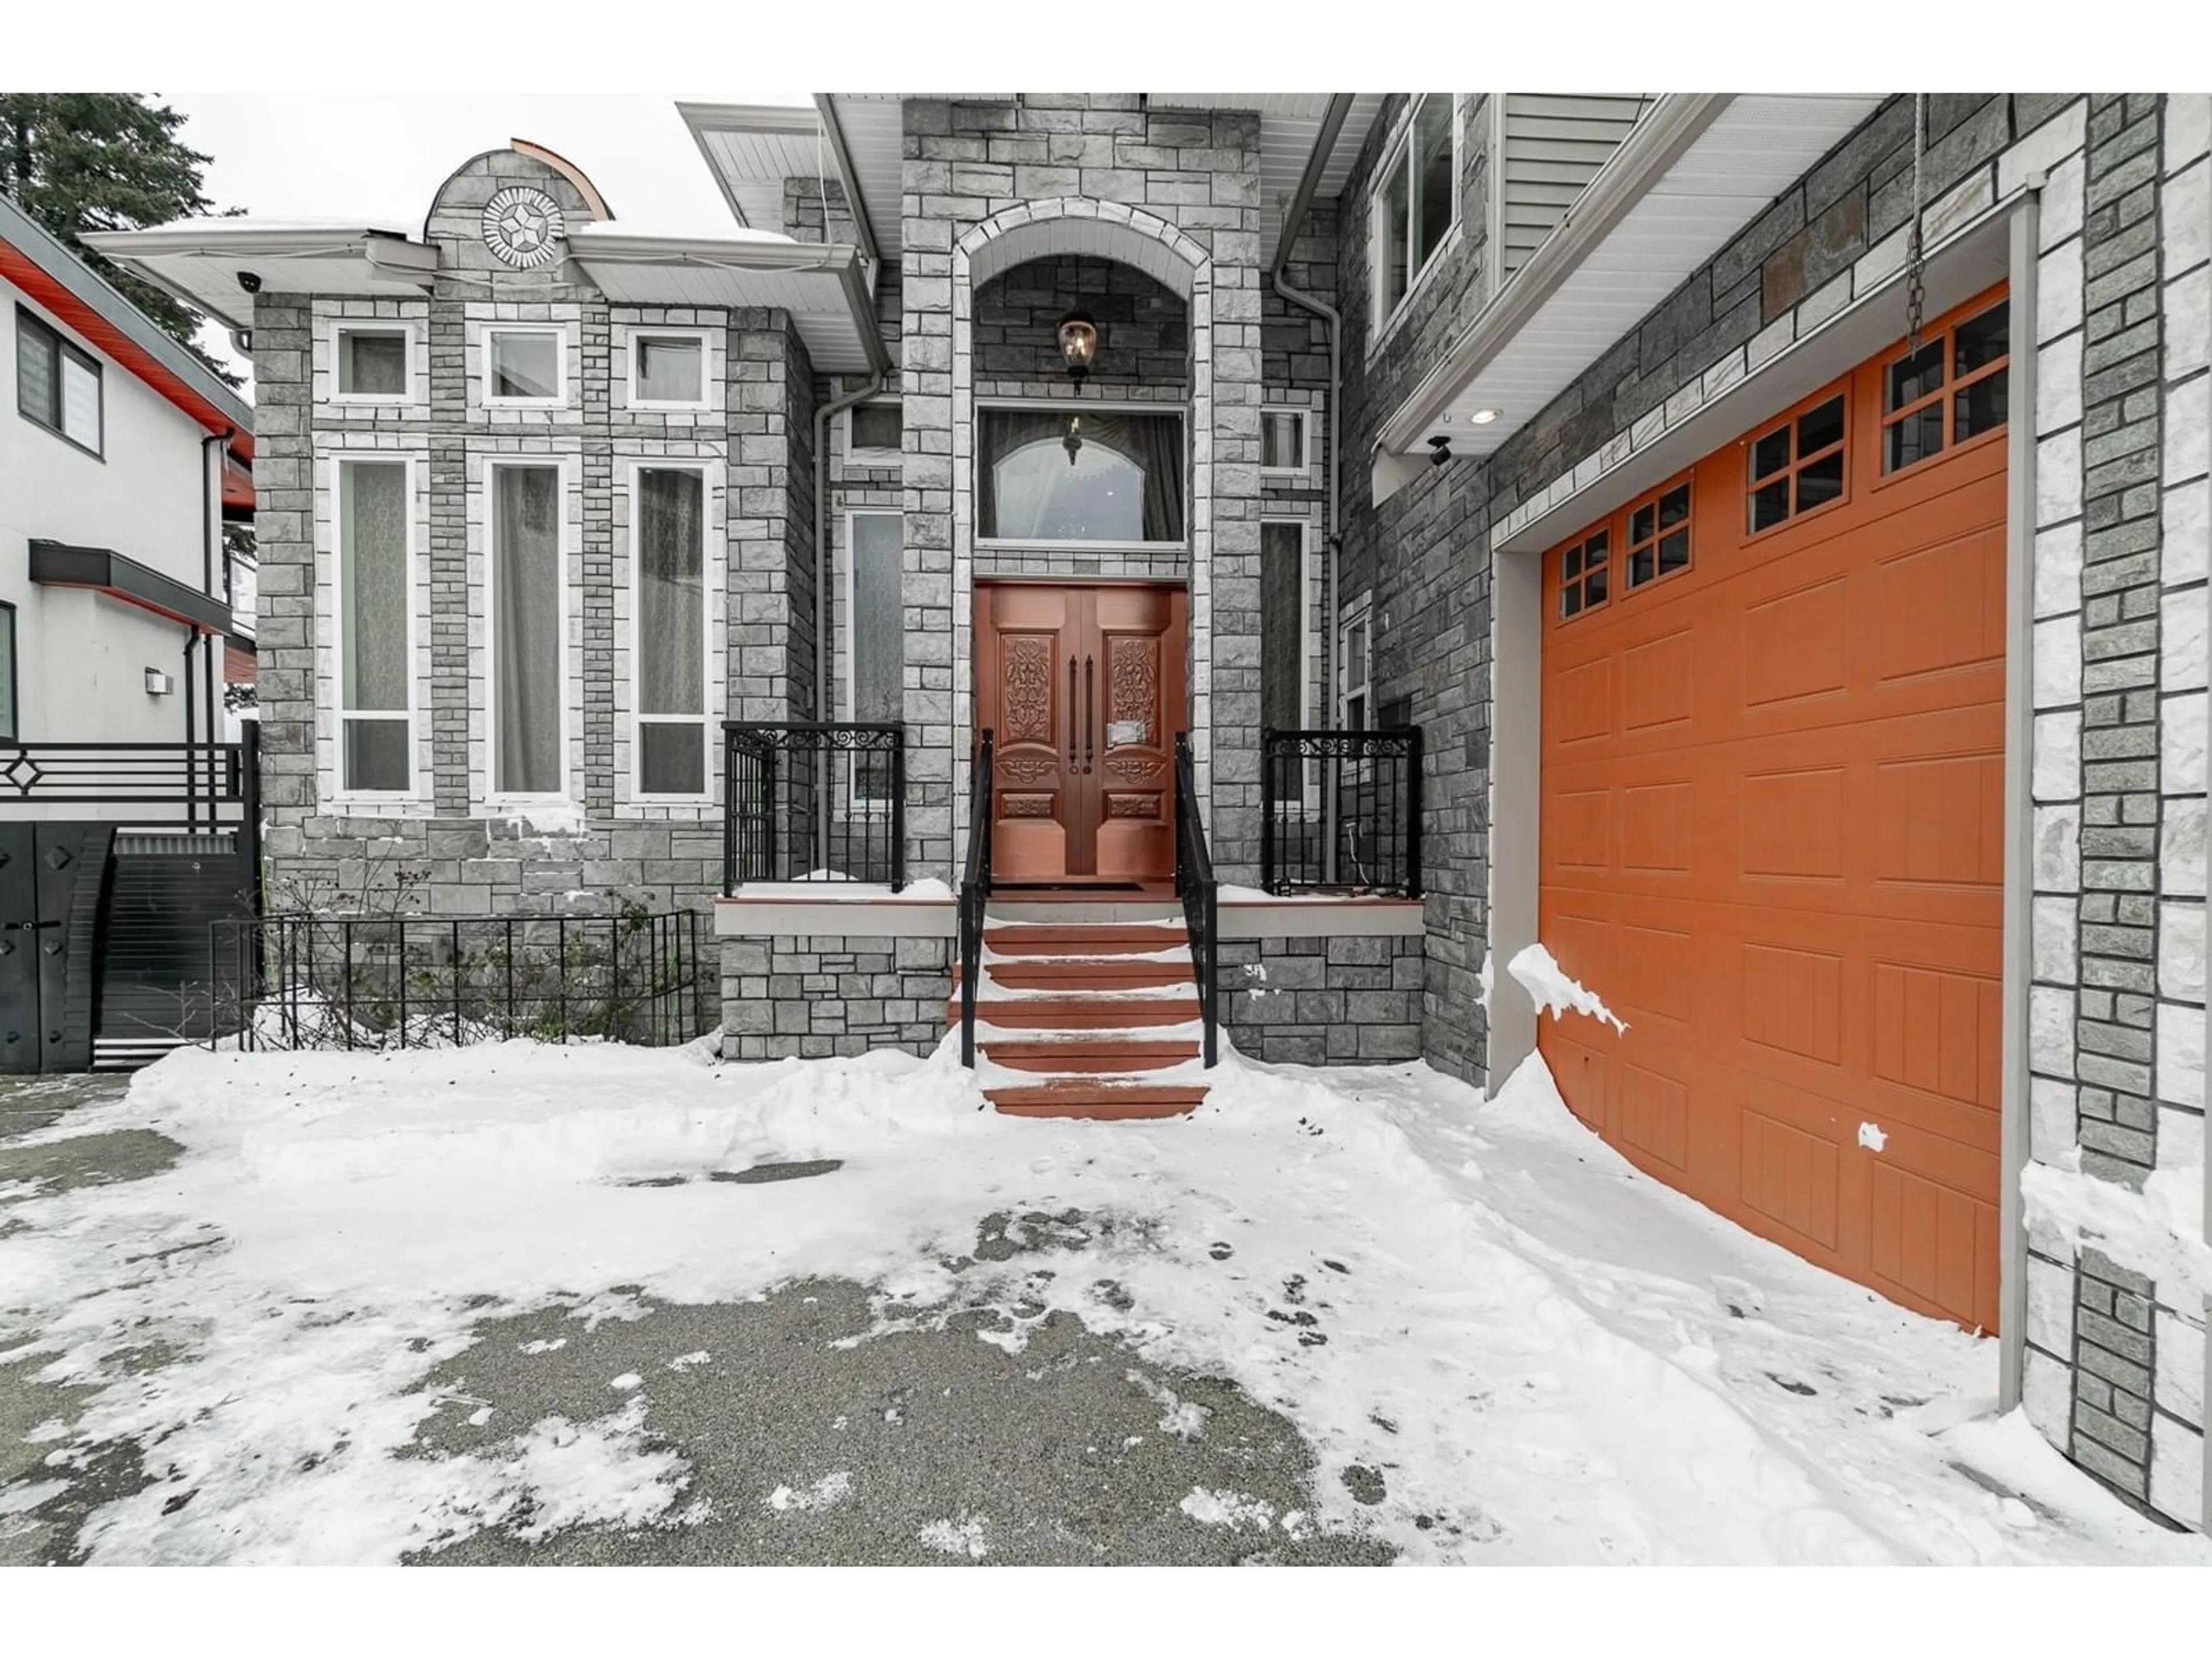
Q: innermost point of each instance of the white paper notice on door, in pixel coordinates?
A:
(1119, 732)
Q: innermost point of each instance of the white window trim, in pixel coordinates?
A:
(1360, 611)
(1039, 544)
(708, 581)
(846, 575)
(1304, 467)
(873, 458)
(494, 796)
(642, 331)
(560, 334)
(1383, 325)
(342, 327)
(340, 795)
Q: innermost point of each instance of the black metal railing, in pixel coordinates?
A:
(299, 980)
(1341, 811)
(975, 893)
(813, 800)
(191, 786)
(1200, 894)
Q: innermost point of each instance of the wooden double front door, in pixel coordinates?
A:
(1083, 685)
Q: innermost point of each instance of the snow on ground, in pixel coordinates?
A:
(1542, 1355)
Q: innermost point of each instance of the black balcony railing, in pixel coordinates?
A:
(975, 893)
(192, 787)
(1200, 894)
(301, 981)
(1340, 812)
(811, 800)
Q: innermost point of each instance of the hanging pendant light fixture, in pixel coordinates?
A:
(1073, 443)
(1079, 344)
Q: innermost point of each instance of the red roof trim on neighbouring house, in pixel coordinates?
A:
(240, 660)
(57, 298)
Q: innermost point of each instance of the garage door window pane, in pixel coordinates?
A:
(1915, 438)
(1820, 428)
(1978, 407)
(1820, 481)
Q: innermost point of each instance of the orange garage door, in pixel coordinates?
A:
(1773, 821)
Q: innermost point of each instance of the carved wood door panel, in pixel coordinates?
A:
(1084, 687)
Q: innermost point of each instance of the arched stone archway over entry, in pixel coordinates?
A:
(1081, 226)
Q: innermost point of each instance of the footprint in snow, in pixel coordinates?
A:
(1219, 1252)
(1794, 1386)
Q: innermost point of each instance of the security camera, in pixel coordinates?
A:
(249, 281)
(1439, 451)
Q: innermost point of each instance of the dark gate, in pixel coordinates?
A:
(114, 858)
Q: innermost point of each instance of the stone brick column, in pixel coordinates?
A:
(284, 544)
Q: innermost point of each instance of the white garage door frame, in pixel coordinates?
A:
(1999, 246)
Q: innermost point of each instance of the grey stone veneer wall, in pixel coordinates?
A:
(1188, 180)
(464, 858)
(812, 996)
(1324, 1001)
(2115, 1357)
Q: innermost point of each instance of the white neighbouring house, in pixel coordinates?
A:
(120, 460)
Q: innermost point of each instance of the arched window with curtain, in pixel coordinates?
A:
(1080, 474)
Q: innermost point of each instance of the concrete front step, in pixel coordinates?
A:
(1064, 1055)
(1102, 939)
(1101, 1098)
(1090, 1012)
(1052, 974)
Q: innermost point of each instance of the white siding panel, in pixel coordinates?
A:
(1554, 145)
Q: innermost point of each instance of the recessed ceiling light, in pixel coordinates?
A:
(1483, 416)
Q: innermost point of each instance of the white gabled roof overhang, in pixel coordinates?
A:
(820, 284)
(199, 261)
(1690, 176)
(858, 138)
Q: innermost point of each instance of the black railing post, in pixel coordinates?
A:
(1414, 814)
(899, 814)
(1270, 790)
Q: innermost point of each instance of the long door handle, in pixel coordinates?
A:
(1090, 711)
(1071, 713)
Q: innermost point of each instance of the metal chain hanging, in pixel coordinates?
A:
(1915, 254)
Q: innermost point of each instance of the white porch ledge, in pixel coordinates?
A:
(865, 910)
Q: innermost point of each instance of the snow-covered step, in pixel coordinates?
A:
(1087, 1097)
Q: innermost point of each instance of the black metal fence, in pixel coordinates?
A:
(1341, 811)
(974, 890)
(1200, 894)
(183, 787)
(315, 981)
(813, 800)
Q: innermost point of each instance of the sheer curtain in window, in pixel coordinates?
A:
(526, 585)
(373, 601)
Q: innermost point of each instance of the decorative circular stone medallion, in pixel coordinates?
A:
(520, 226)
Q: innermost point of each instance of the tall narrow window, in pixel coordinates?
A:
(876, 636)
(1283, 639)
(526, 583)
(7, 716)
(670, 551)
(375, 625)
(1358, 666)
(1416, 202)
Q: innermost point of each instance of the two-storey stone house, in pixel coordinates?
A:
(1759, 543)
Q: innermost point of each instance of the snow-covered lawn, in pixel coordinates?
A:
(1543, 1355)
